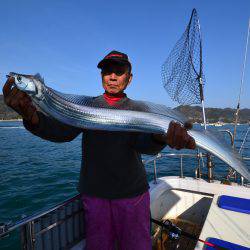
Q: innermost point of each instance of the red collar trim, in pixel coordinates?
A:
(112, 100)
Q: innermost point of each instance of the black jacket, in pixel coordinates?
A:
(111, 161)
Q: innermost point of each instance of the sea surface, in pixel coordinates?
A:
(36, 174)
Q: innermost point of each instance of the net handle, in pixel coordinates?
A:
(194, 12)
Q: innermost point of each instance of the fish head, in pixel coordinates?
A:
(30, 84)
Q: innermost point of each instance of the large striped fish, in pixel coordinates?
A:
(82, 112)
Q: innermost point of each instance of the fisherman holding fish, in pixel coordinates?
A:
(113, 179)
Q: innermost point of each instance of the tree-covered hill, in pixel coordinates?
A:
(226, 115)
(7, 113)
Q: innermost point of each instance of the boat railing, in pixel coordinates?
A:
(232, 174)
(60, 227)
(197, 171)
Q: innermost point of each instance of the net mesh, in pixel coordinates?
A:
(182, 72)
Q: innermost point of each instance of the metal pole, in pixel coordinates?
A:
(181, 174)
(210, 167)
(155, 173)
(241, 84)
(198, 169)
(201, 84)
(230, 134)
(31, 235)
(242, 180)
(244, 140)
(204, 115)
(202, 102)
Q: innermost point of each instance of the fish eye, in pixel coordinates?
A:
(19, 78)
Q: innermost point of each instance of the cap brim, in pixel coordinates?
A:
(113, 60)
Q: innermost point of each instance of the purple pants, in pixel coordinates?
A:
(121, 222)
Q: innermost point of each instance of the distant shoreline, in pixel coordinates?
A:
(12, 120)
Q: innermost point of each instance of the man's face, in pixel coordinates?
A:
(115, 78)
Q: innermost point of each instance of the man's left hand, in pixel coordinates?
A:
(176, 137)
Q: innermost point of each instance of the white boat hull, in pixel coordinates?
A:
(192, 199)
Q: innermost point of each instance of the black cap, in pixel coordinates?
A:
(115, 56)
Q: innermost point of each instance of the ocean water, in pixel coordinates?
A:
(36, 174)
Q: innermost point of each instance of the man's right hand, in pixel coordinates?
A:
(20, 102)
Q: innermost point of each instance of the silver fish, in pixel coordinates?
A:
(82, 112)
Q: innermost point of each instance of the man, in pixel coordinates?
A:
(112, 179)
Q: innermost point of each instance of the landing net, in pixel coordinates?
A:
(182, 72)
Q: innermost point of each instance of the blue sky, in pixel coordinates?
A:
(64, 40)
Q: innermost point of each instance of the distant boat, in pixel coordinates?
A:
(216, 124)
(219, 124)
